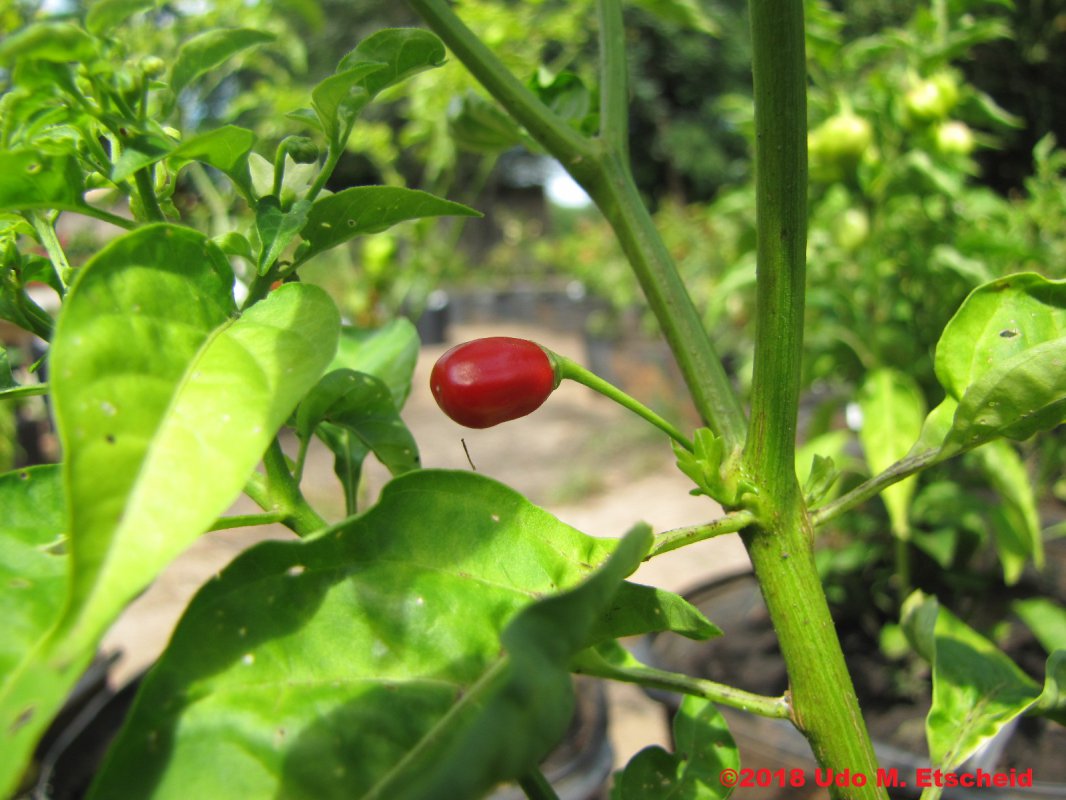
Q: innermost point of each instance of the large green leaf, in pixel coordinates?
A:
(367, 661)
(892, 413)
(211, 49)
(371, 209)
(165, 402)
(977, 689)
(33, 563)
(703, 749)
(1000, 357)
(29, 179)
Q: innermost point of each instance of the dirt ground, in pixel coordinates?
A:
(584, 459)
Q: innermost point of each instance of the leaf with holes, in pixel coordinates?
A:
(165, 401)
(426, 604)
(1002, 357)
(29, 179)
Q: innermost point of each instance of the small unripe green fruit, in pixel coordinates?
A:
(931, 100)
(954, 138)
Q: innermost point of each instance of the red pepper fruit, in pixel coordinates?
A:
(488, 381)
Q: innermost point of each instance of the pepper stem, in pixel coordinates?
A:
(565, 369)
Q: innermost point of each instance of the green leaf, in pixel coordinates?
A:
(1001, 358)
(165, 402)
(209, 50)
(48, 41)
(226, 149)
(820, 462)
(312, 646)
(936, 428)
(1017, 398)
(379, 61)
(277, 228)
(141, 151)
(104, 15)
(7, 380)
(977, 689)
(33, 563)
(29, 179)
(33, 686)
(1017, 528)
(703, 748)
(371, 209)
(539, 644)
(338, 99)
(1046, 618)
(480, 125)
(362, 405)
(1052, 701)
(389, 353)
(403, 51)
(892, 413)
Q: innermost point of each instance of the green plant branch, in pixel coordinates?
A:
(566, 369)
(614, 84)
(536, 786)
(24, 391)
(682, 537)
(903, 468)
(106, 216)
(712, 391)
(761, 705)
(46, 232)
(247, 520)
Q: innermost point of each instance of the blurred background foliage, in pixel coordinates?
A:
(933, 157)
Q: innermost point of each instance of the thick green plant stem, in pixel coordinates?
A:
(781, 544)
(682, 537)
(601, 167)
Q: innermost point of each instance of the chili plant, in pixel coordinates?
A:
(421, 647)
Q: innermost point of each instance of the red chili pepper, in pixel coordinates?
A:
(488, 381)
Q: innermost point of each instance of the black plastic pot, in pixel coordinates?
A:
(747, 656)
